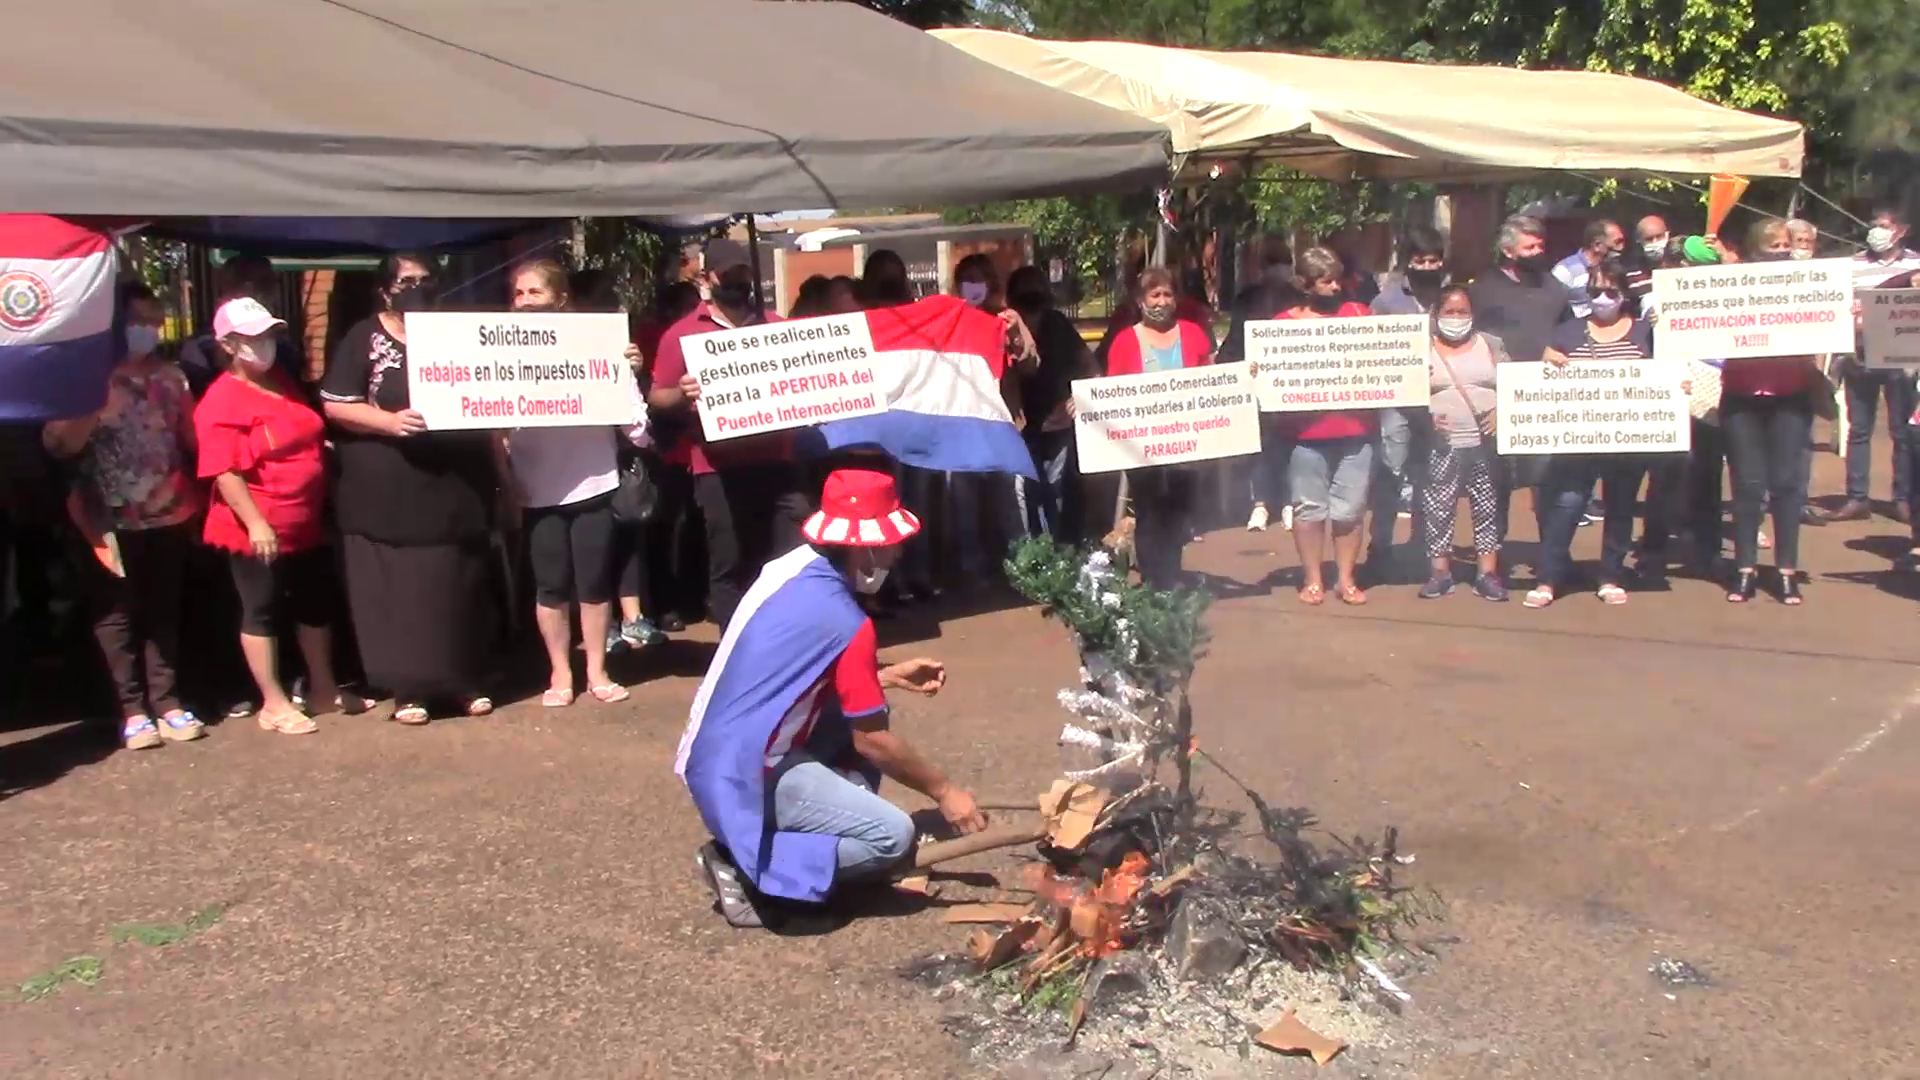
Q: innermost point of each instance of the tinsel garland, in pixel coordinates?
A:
(1137, 646)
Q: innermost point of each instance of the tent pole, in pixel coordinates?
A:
(753, 261)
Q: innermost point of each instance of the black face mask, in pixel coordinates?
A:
(1773, 256)
(1426, 279)
(1538, 263)
(1326, 305)
(413, 298)
(733, 296)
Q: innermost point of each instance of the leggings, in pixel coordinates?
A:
(571, 549)
(1449, 469)
(302, 585)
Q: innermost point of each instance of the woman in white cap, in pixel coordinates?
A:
(261, 445)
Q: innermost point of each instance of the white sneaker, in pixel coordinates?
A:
(1257, 521)
(1286, 517)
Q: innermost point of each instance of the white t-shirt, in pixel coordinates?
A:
(559, 466)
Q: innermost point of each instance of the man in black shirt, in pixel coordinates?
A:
(1520, 302)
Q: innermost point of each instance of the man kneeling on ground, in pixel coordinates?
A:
(788, 737)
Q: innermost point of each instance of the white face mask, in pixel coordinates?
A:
(868, 579)
(256, 353)
(1803, 253)
(975, 293)
(1654, 249)
(1879, 239)
(1454, 328)
(1604, 307)
(142, 339)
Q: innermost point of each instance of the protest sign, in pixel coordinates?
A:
(1754, 309)
(1165, 417)
(1593, 407)
(509, 370)
(784, 375)
(1370, 362)
(1890, 323)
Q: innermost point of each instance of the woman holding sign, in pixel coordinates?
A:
(564, 480)
(1607, 335)
(1332, 460)
(1461, 368)
(1766, 420)
(414, 509)
(1162, 495)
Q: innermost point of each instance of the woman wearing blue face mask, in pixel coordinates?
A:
(1607, 335)
(1461, 363)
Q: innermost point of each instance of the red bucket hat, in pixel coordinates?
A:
(860, 508)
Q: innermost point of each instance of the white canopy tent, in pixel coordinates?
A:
(1368, 119)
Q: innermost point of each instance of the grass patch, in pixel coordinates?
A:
(85, 970)
(160, 935)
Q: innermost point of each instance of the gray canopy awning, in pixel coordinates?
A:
(526, 108)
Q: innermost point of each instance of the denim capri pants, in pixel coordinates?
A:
(1328, 479)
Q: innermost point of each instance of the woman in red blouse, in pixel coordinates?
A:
(260, 444)
(1162, 494)
(1331, 462)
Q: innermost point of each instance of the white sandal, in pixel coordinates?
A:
(1538, 597)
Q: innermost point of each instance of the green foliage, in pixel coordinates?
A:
(1151, 635)
(84, 970)
(1082, 231)
(159, 935)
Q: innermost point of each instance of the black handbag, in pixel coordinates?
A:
(637, 498)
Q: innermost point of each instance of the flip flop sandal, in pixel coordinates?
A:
(1612, 594)
(1352, 596)
(292, 722)
(480, 706)
(1314, 595)
(181, 726)
(410, 715)
(556, 699)
(611, 693)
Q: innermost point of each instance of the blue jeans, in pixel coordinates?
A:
(1401, 454)
(810, 797)
(1562, 498)
(1053, 506)
(1769, 454)
(981, 545)
(1864, 388)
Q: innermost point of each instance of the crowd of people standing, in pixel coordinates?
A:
(223, 472)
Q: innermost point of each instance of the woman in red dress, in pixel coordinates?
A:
(260, 444)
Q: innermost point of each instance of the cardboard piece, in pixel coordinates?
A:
(1072, 810)
(985, 913)
(1288, 1035)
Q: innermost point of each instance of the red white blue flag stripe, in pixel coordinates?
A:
(940, 362)
(58, 342)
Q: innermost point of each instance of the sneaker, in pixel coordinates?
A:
(730, 890)
(1437, 586)
(140, 733)
(241, 710)
(1490, 587)
(1286, 517)
(181, 726)
(1257, 521)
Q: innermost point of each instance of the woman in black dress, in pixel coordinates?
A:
(413, 508)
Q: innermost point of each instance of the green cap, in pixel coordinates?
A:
(1698, 251)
